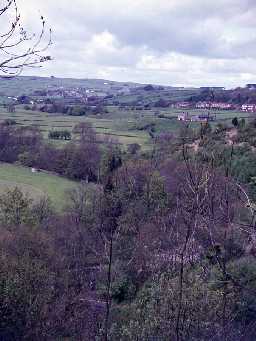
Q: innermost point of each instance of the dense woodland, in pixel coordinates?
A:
(156, 245)
(234, 96)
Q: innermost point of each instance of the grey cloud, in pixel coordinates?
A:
(191, 27)
(202, 31)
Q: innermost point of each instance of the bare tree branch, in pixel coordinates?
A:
(18, 49)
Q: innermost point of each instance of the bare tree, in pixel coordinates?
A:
(18, 48)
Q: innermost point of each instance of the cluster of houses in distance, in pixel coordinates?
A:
(216, 106)
(185, 117)
(139, 97)
(249, 107)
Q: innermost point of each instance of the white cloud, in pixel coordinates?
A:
(192, 42)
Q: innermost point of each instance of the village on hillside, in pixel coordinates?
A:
(62, 96)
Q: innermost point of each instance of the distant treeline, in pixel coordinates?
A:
(83, 160)
(234, 96)
(73, 110)
(160, 247)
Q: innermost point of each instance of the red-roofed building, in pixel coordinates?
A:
(249, 107)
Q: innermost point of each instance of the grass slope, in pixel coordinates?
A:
(35, 184)
(122, 126)
(21, 85)
(114, 125)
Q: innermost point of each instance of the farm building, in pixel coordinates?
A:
(203, 105)
(221, 106)
(214, 105)
(184, 117)
(183, 105)
(249, 107)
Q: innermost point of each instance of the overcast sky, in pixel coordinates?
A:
(173, 42)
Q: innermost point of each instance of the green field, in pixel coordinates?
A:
(111, 126)
(21, 85)
(121, 126)
(35, 184)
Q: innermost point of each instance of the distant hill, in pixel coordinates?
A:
(126, 92)
(27, 84)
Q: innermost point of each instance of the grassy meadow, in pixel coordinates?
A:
(122, 126)
(35, 184)
(116, 128)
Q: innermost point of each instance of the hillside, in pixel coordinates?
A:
(36, 185)
(27, 84)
